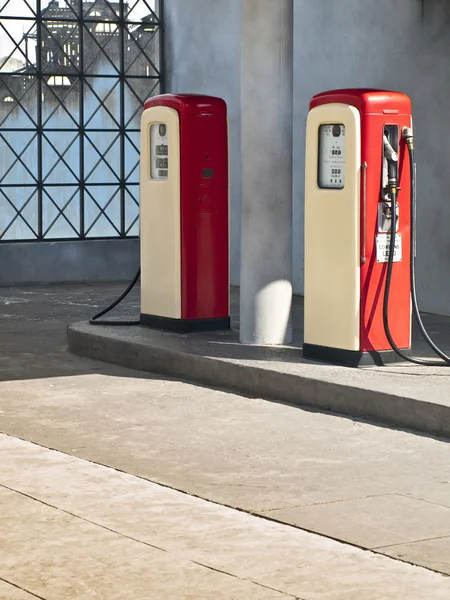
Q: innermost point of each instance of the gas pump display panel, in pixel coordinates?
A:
(159, 152)
(331, 167)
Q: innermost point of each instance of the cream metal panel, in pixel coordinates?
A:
(332, 237)
(160, 221)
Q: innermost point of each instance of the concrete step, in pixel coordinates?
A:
(402, 395)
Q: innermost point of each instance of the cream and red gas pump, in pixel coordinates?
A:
(184, 213)
(348, 215)
(360, 181)
(184, 216)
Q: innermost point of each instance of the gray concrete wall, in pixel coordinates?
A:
(202, 50)
(394, 44)
(92, 261)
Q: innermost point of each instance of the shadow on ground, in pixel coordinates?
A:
(33, 325)
(34, 320)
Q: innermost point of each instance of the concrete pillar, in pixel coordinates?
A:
(266, 216)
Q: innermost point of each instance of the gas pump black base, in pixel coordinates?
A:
(185, 325)
(351, 358)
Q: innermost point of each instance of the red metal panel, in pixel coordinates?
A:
(204, 217)
(377, 109)
(367, 101)
(189, 104)
(373, 274)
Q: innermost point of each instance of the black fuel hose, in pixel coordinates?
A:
(415, 304)
(94, 320)
(387, 292)
(387, 289)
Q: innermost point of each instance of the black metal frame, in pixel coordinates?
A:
(82, 76)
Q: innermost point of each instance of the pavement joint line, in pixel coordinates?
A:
(236, 508)
(324, 502)
(431, 539)
(22, 589)
(206, 566)
(385, 371)
(364, 548)
(267, 587)
(75, 516)
(424, 500)
(408, 562)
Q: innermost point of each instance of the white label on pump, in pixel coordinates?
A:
(331, 173)
(383, 240)
(159, 152)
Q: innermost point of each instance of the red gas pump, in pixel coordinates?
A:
(184, 216)
(184, 209)
(360, 283)
(370, 122)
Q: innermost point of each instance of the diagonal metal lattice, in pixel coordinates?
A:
(73, 79)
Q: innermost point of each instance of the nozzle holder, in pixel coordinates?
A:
(408, 136)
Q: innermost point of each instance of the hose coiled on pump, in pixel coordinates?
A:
(408, 137)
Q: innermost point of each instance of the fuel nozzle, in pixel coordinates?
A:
(389, 152)
(392, 159)
(407, 135)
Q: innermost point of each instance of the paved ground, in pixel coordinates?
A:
(73, 529)
(381, 489)
(404, 395)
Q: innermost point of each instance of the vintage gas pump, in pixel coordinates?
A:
(184, 213)
(184, 216)
(356, 161)
(360, 286)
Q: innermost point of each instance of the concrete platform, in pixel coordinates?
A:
(402, 395)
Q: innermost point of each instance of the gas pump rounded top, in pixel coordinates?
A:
(366, 100)
(190, 104)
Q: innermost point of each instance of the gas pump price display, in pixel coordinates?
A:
(331, 167)
(159, 152)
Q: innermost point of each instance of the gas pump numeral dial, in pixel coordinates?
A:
(331, 167)
(159, 151)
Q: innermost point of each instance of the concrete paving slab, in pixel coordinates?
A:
(435, 554)
(9, 591)
(403, 394)
(372, 522)
(60, 555)
(437, 492)
(334, 587)
(57, 555)
(141, 509)
(243, 452)
(303, 569)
